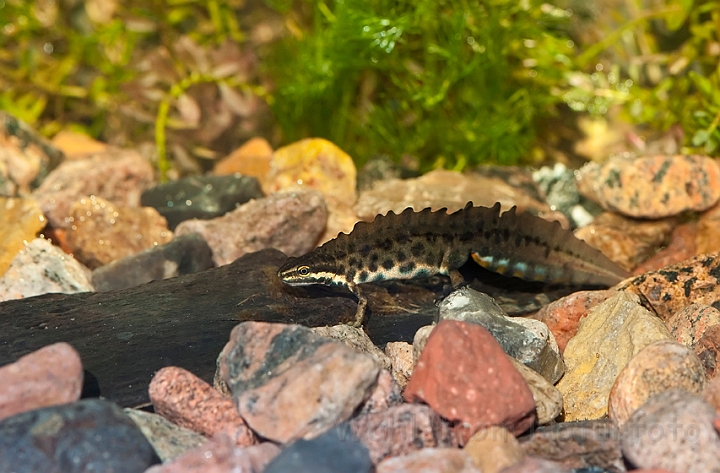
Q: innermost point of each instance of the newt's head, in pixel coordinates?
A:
(306, 270)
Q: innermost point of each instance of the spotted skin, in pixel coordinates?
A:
(412, 245)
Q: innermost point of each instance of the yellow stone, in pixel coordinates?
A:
(77, 145)
(251, 159)
(20, 221)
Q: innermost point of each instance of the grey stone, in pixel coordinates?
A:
(168, 440)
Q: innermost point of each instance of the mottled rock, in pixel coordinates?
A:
(168, 440)
(46, 377)
(20, 221)
(493, 449)
(221, 455)
(430, 460)
(185, 254)
(560, 188)
(201, 197)
(658, 367)
(675, 287)
(420, 340)
(88, 435)
(337, 450)
(289, 383)
(548, 400)
(186, 400)
(577, 445)
(711, 393)
(380, 168)
(251, 159)
(101, 232)
(707, 239)
(540, 465)
(682, 246)
(689, 324)
(401, 360)
(674, 431)
(355, 338)
(707, 349)
(290, 222)
(611, 334)
(528, 341)
(563, 316)
(400, 430)
(118, 176)
(41, 268)
(626, 241)
(652, 186)
(384, 395)
(466, 377)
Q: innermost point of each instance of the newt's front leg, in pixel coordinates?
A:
(362, 304)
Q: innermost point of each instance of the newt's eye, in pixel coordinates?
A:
(303, 270)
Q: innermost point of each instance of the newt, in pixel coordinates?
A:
(421, 244)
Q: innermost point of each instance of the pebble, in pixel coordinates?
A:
(559, 185)
(493, 449)
(675, 287)
(626, 241)
(660, 366)
(355, 338)
(674, 431)
(652, 186)
(430, 460)
(690, 323)
(184, 254)
(400, 430)
(539, 465)
(251, 159)
(682, 246)
(420, 340)
(708, 231)
(291, 222)
(77, 145)
(466, 377)
(46, 377)
(201, 197)
(188, 401)
(221, 455)
(711, 393)
(88, 435)
(168, 440)
(385, 394)
(118, 176)
(102, 232)
(582, 444)
(20, 221)
(563, 316)
(528, 341)
(42, 268)
(337, 450)
(611, 334)
(707, 349)
(289, 383)
(401, 361)
(548, 400)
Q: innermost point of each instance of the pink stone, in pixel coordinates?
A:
(430, 460)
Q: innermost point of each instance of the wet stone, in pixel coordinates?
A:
(168, 440)
(88, 435)
(540, 465)
(493, 449)
(337, 450)
(652, 186)
(707, 349)
(608, 338)
(528, 341)
(42, 268)
(690, 323)
(355, 338)
(430, 460)
(560, 188)
(674, 431)
(466, 377)
(548, 400)
(708, 231)
(582, 444)
(290, 222)
(660, 366)
(401, 360)
(251, 159)
(384, 395)
(401, 429)
(682, 245)
(46, 377)
(201, 197)
(184, 254)
(20, 221)
(102, 232)
(420, 340)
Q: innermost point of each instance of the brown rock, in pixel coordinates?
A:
(689, 324)
(119, 176)
(707, 349)
(711, 393)
(681, 247)
(401, 360)
(384, 395)
(77, 145)
(400, 430)
(626, 241)
(652, 186)
(420, 340)
(548, 400)
(251, 159)
(221, 455)
(660, 366)
(708, 232)
(290, 222)
(537, 465)
(675, 287)
(465, 376)
(430, 460)
(188, 401)
(355, 338)
(563, 315)
(47, 377)
(577, 444)
(493, 449)
(20, 221)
